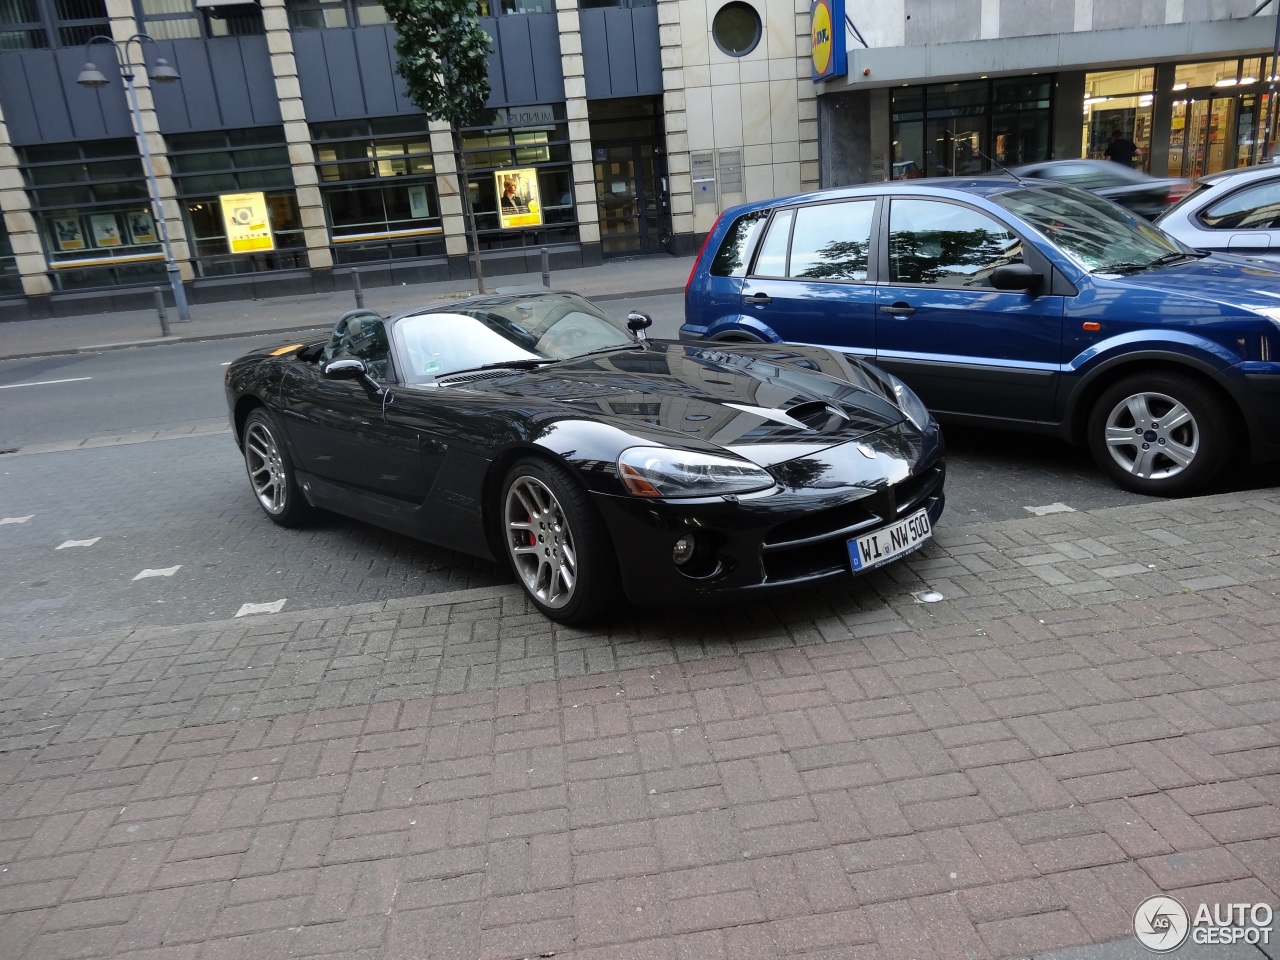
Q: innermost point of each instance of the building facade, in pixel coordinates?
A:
(936, 89)
(614, 128)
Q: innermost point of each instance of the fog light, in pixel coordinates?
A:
(682, 552)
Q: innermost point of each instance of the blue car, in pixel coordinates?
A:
(1015, 304)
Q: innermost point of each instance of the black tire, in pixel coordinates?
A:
(556, 542)
(1132, 438)
(271, 476)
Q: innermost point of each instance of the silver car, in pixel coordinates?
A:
(1236, 211)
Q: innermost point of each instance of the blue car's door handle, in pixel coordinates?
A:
(760, 299)
(899, 309)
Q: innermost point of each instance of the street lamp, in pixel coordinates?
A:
(92, 77)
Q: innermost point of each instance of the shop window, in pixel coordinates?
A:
(91, 204)
(499, 8)
(10, 282)
(377, 178)
(178, 19)
(596, 4)
(29, 24)
(539, 151)
(951, 129)
(256, 160)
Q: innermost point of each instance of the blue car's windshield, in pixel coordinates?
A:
(1098, 235)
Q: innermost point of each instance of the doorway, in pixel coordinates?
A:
(631, 192)
(630, 170)
(1215, 134)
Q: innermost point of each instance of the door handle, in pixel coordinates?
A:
(760, 299)
(899, 309)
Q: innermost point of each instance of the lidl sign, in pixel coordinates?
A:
(829, 60)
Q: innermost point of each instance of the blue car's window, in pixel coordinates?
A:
(945, 244)
(831, 241)
(1254, 207)
(772, 260)
(1098, 235)
(731, 258)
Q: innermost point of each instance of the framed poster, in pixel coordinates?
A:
(67, 232)
(418, 208)
(106, 230)
(247, 222)
(142, 229)
(518, 202)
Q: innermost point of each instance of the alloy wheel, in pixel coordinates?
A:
(1152, 435)
(541, 542)
(266, 468)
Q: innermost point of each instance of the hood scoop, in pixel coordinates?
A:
(818, 415)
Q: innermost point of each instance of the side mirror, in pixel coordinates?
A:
(353, 368)
(347, 368)
(638, 322)
(1015, 276)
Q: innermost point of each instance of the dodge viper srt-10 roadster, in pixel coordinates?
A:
(534, 430)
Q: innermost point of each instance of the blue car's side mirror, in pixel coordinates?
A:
(1016, 276)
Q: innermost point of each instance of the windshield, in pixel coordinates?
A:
(506, 330)
(1098, 235)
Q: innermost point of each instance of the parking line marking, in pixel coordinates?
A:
(161, 572)
(252, 608)
(1050, 508)
(42, 383)
(16, 519)
(77, 543)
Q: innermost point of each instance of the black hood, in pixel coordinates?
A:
(765, 403)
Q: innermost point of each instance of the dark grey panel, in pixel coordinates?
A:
(350, 73)
(313, 74)
(226, 84)
(620, 36)
(595, 53)
(375, 53)
(621, 52)
(264, 104)
(497, 88)
(43, 104)
(648, 50)
(548, 75)
(515, 46)
(344, 73)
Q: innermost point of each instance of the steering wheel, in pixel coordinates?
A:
(567, 341)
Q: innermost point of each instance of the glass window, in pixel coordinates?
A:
(730, 259)
(1255, 207)
(80, 20)
(831, 241)
(736, 28)
(10, 281)
(21, 26)
(944, 244)
(772, 259)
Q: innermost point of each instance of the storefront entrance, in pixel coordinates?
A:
(1215, 134)
(632, 196)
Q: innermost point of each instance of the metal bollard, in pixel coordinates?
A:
(164, 319)
(355, 286)
(546, 268)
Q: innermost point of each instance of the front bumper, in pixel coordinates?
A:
(793, 535)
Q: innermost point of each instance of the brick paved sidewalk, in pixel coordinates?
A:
(1090, 716)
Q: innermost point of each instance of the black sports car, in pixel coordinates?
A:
(536, 430)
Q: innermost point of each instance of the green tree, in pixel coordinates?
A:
(443, 58)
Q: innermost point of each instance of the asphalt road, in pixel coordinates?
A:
(166, 531)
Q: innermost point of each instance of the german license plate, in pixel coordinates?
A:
(881, 546)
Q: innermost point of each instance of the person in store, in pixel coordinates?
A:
(1121, 149)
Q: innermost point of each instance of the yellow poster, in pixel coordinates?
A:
(248, 225)
(518, 202)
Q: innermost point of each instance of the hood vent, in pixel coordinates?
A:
(818, 415)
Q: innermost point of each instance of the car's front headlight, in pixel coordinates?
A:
(663, 472)
(909, 403)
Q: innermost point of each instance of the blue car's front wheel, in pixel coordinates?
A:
(1162, 434)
